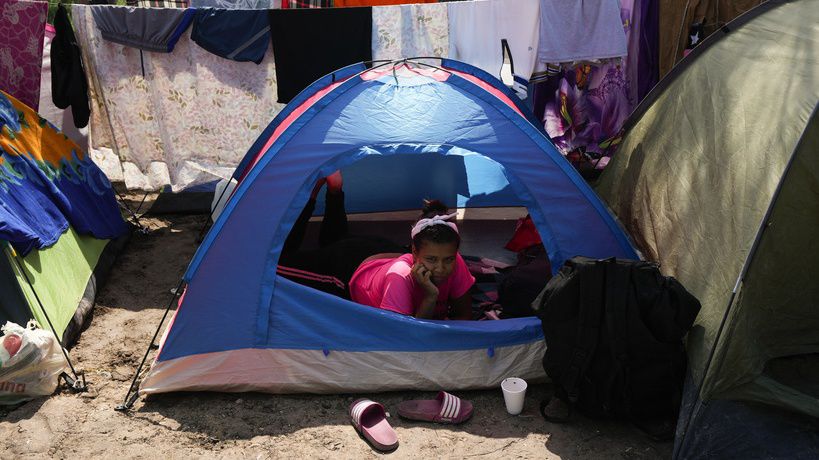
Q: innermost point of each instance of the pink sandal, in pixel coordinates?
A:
(370, 420)
(445, 408)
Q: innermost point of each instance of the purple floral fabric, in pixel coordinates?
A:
(584, 106)
(22, 26)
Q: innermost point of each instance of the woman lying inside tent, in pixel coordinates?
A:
(432, 281)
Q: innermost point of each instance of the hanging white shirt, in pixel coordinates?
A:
(477, 27)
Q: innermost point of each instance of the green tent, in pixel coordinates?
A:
(63, 276)
(58, 208)
(717, 179)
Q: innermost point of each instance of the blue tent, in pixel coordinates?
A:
(240, 327)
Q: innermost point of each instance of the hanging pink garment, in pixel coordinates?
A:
(22, 26)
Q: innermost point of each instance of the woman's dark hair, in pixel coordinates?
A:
(440, 234)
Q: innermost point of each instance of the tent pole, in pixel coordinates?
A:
(210, 215)
(129, 400)
(76, 385)
(131, 212)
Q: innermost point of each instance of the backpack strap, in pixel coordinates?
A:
(588, 330)
(618, 287)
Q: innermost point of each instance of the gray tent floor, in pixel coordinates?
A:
(224, 425)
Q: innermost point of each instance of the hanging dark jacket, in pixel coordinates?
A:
(68, 84)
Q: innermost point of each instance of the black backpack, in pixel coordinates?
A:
(613, 331)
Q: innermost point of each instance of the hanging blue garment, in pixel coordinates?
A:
(240, 35)
(148, 29)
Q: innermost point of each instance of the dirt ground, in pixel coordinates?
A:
(258, 426)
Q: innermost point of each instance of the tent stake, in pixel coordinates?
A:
(130, 399)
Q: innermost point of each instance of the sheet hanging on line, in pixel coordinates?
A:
(22, 27)
(410, 31)
(477, 27)
(189, 120)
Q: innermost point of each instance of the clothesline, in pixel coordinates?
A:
(192, 116)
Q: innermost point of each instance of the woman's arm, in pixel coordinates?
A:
(462, 307)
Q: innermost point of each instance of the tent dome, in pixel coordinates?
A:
(275, 335)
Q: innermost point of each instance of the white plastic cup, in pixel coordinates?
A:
(514, 392)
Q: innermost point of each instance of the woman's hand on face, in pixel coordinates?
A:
(424, 277)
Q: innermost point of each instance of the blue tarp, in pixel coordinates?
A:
(47, 184)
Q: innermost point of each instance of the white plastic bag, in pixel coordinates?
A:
(31, 362)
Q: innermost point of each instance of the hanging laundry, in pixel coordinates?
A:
(641, 19)
(288, 4)
(410, 30)
(238, 4)
(580, 30)
(47, 183)
(584, 106)
(189, 120)
(342, 3)
(22, 25)
(476, 29)
(144, 28)
(162, 3)
(310, 43)
(62, 119)
(239, 35)
(68, 84)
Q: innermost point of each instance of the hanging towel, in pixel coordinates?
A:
(310, 43)
(148, 29)
(68, 84)
(410, 31)
(580, 30)
(240, 35)
(47, 183)
(22, 27)
(476, 30)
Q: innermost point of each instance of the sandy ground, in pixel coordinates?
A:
(222, 425)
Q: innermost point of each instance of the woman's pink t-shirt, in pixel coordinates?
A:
(389, 284)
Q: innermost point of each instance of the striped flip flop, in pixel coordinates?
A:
(370, 420)
(445, 408)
